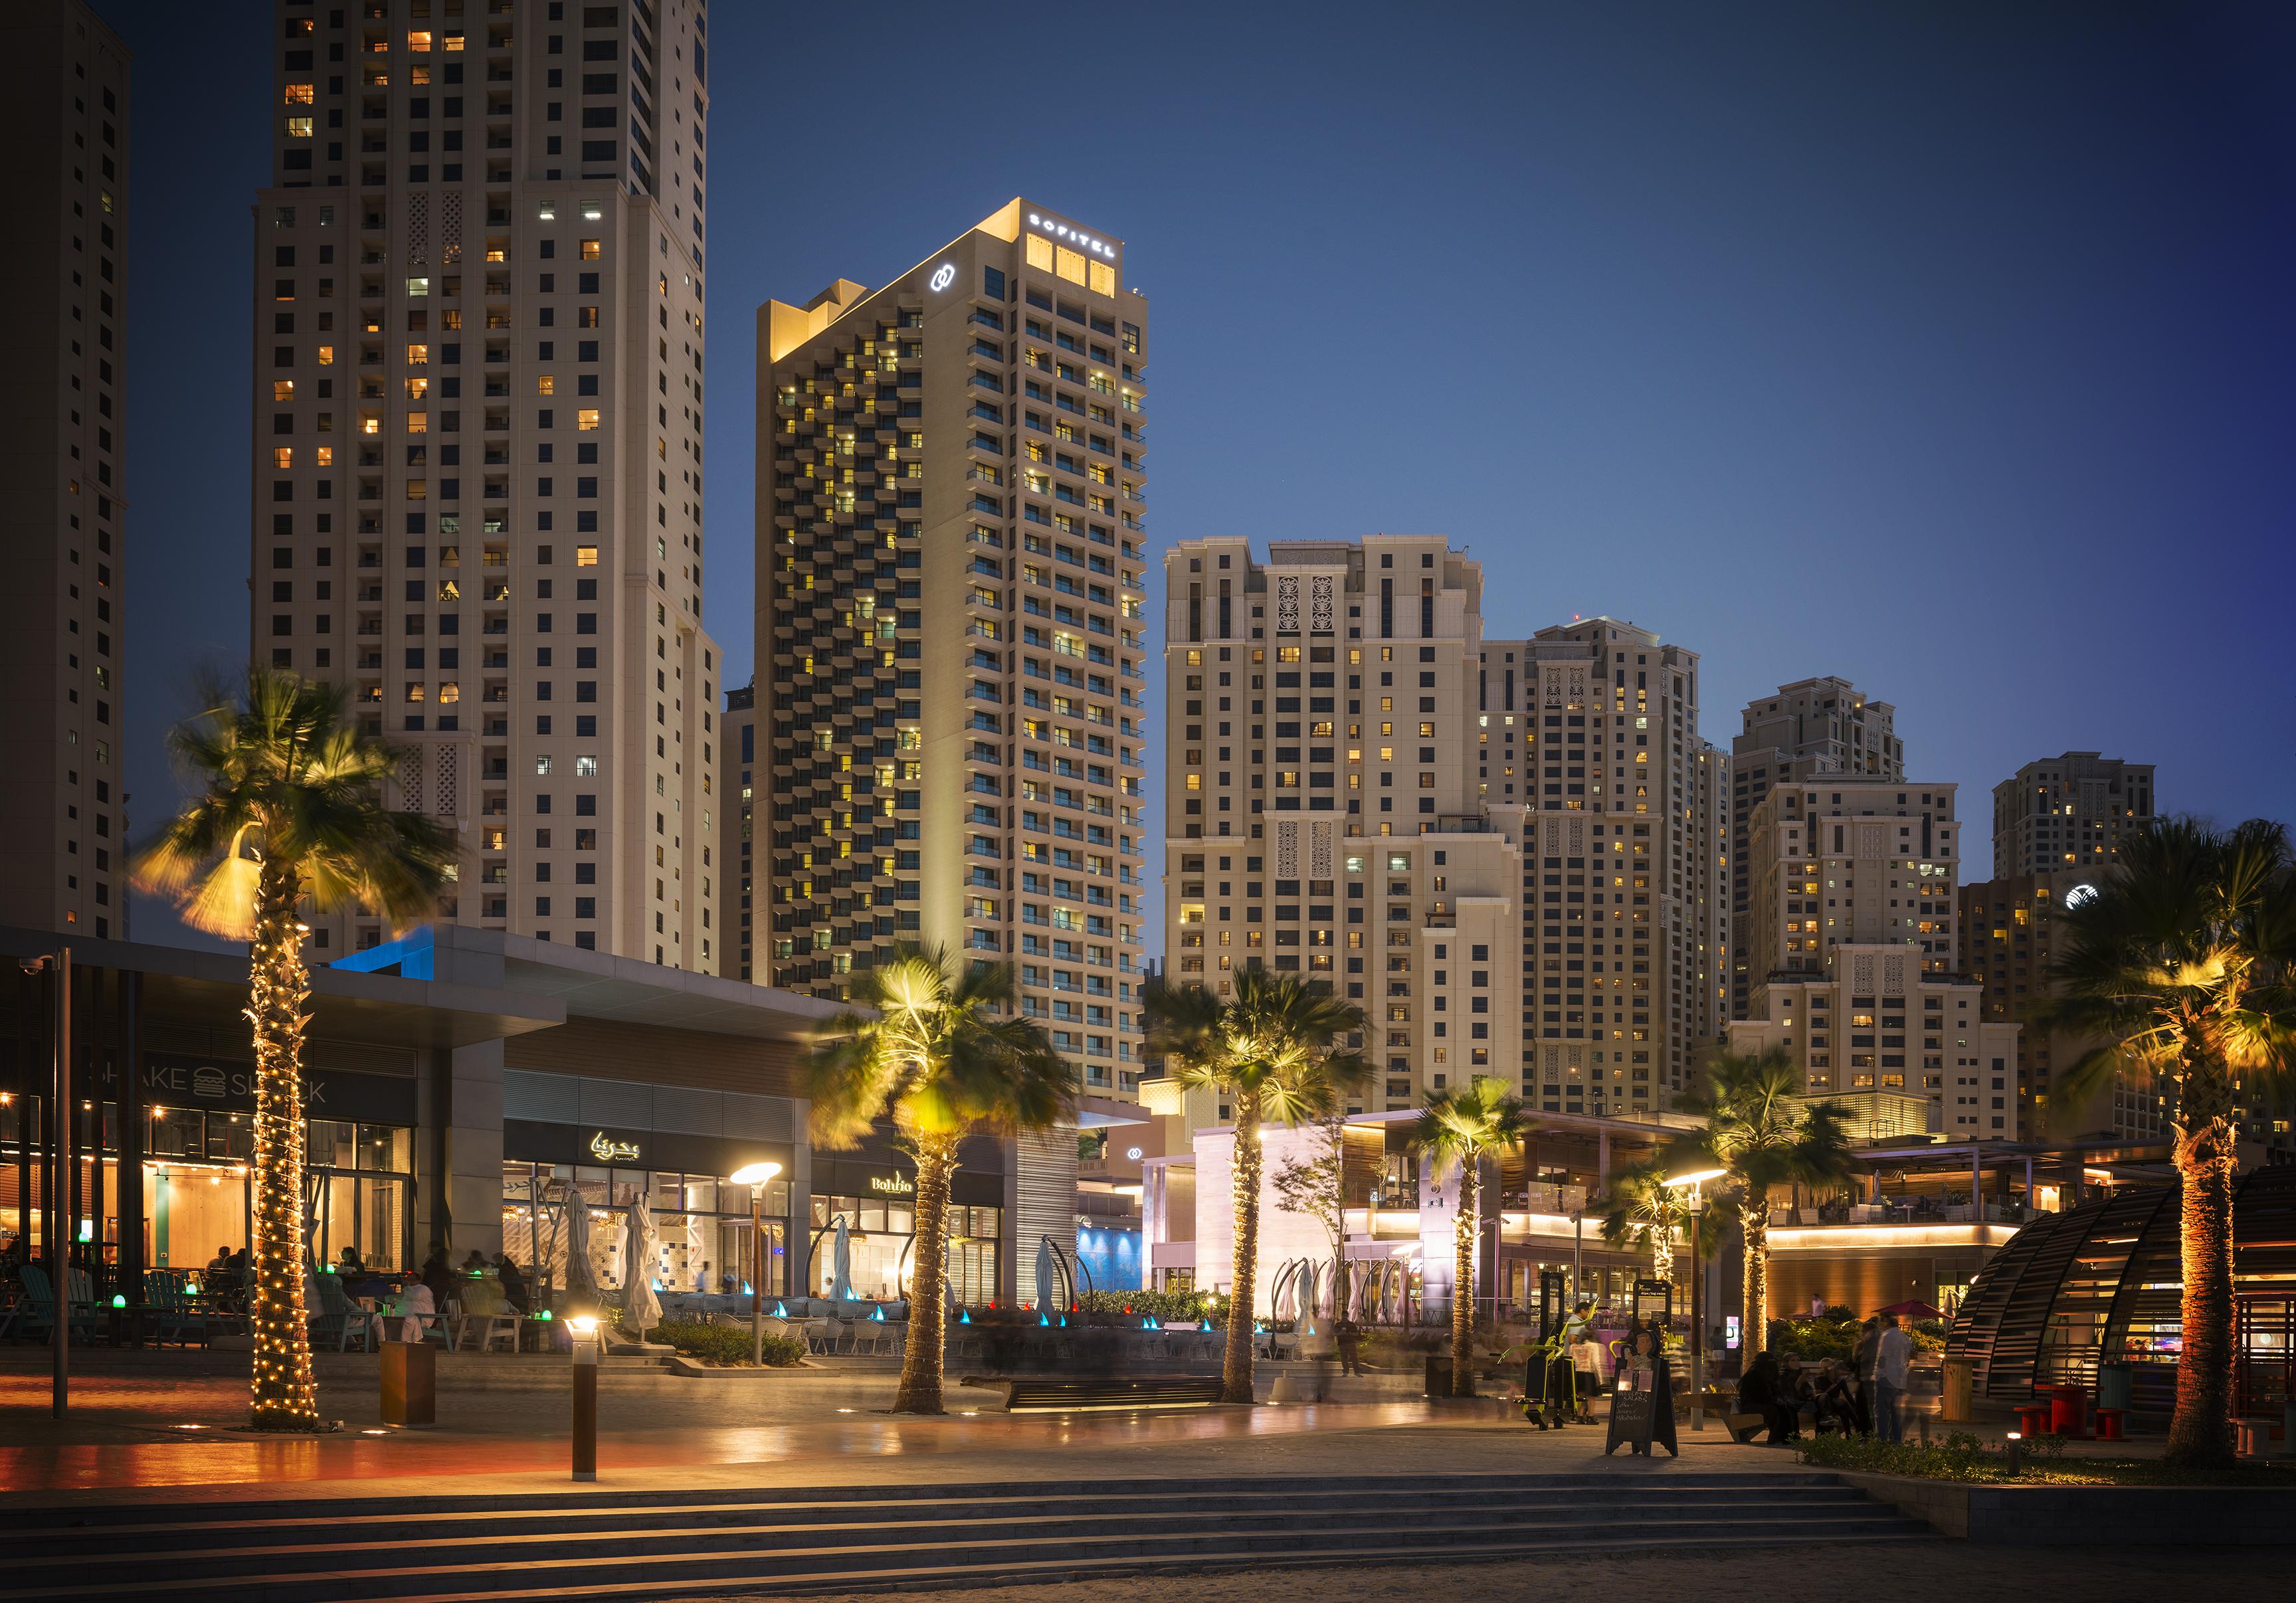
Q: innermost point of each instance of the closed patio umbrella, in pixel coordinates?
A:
(840, 1262)
(640, 1309)
(1047, 1289)
(581, 1280)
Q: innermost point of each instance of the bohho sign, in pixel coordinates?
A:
(893, 1185)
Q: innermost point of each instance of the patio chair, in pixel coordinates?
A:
(487, 1316)
(339, 1318)
(173, 1316)
(41, 1293)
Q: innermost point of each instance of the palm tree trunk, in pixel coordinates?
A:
(281, 1393)
(1463, 1232)
(1754, 1222)
(921, 1356)
(1662, 1251)
(2206, 1159)
(1236, 1370)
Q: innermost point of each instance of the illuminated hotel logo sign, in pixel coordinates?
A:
(2080, 895)
(943, 276)
(609, 1151)
(892, 1185)
(1075, 236)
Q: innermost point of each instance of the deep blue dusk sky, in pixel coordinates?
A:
(1945, 346)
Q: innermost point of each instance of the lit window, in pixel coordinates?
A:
(283, 457)
(418, 422)
(326, 455)
(299, 127)
(418, 42)
(589, 250)
(282, 389)
(545, 384)
(418, 356)
(418, 286)
(449, 692)
(327, 355)
(417, 389)
(415, 692)
(585, 767)
(542, 766)
(585, 418)
(298, 95)
(586, 556)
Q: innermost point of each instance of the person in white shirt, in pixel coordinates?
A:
(1891, 1355)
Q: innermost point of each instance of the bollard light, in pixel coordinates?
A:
(2016, 1452)
(584, 1328)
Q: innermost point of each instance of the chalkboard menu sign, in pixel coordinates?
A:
(1639, 1417)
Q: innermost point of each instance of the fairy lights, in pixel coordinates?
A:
(284, 1396)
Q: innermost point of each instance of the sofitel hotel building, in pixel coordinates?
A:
(951, 484)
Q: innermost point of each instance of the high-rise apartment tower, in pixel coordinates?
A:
(950, 505)
(737, 767)
(2069, 812)
(477, 443)
(63, 284)
(1364, 789)
(1812, 726)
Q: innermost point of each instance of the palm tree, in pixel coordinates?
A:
(1270, 1052)
(1477, 1120)
(1646, 1214)
(1760, 1129)
(945, 1054)
(287, 804)
(2183, 964)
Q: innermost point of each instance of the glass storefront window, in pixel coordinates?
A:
(881, 1240)
(702, 1227)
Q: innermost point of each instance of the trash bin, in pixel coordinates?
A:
(410, 1385)
(2112, 1385)
(1959, 1390)
(1438, 1375)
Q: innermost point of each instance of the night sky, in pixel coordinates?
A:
(1944, 347)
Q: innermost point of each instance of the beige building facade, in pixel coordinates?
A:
(737, 788)
(1504, 852)
(478, 413)
(1842, 862)
(2069, 812)
(63, 285)
(950, 539)
(1880, 1031)
(1812, 727)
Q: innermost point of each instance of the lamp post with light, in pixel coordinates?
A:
(1692, 1181)
(756, 1177)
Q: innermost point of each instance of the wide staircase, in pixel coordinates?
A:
(666, 1544)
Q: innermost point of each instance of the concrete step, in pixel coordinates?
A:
(531, 1546)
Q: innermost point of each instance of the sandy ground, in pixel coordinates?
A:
(1916, 1569)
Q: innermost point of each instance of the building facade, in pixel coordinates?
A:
(1363, 789)
(1812, 727)
(737, 748)
(2009, 930)
(63, 284)
(2069, 812)
(1839, 862)
(950, 551)
(1876, 1027)
(482, 246)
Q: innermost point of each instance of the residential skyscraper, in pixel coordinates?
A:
(63, 281)
(1839, 862)
(483, 246)
(1345, 737)
(1810, 727)
(949, 562)
(737, 748)
(2067, 812)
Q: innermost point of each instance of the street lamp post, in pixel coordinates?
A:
(755, 1176)
(1692, 1180)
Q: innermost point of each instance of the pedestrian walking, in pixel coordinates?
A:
(1891, 1355)
(1861, 1359)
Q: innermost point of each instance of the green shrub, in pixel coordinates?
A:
(1957, 1457)
(724, 1344)
(1165, 1306)
(1812, 1339)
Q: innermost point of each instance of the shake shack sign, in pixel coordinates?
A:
(173, 1080)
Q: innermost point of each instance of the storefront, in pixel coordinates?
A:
(701, 1220)
(872, 1197)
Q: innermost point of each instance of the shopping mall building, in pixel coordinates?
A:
(457, 1083)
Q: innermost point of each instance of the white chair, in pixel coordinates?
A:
(487, 1316)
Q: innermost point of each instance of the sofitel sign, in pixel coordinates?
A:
(1074, 236)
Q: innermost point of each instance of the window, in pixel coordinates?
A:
(589, 250)
(418, 286)
(586, 556)
(586, 419)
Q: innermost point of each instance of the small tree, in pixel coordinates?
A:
(1462, 1127)
(1272, 1051)
(1314, 1187)
(943, 1054)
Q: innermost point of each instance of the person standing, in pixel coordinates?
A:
(1892, 1353)
(1861, 1359)
(1348, 1336)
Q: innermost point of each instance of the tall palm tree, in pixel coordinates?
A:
(2185, 963)
(1760, 1129)
(1645, 1214)
(1272, 1052)
(287, 804)
(944, 1054)
(1464, 1127)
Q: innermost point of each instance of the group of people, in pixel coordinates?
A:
(1866, 1394)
